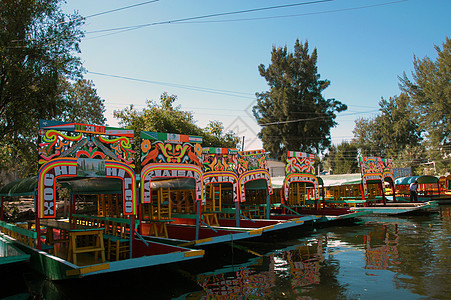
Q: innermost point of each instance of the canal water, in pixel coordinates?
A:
(375, 258)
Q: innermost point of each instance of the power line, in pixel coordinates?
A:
(299, 15)
(109, 11)
(122, 8)
(127, 28)
(311, 119)
(192, 19)
(182, 86)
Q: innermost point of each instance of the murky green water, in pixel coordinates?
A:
(377, 258)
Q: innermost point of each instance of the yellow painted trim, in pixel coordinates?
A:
(255, 231)
(186, 244)
(267, 227)
(86, 270)
(194, 253)
(253, 252)
(299, 222)
(203, 240)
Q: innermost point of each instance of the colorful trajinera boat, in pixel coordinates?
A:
(240, 183)
(9, 253)
(85, 244)
(300, 193)
(430, 188)
(375, 171)
(174, 206)
(194, 196)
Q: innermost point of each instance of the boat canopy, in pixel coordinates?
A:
(421, 179)
(76, 186)
(184, 183)
(341, 179)
(259, 184)
(277, 182)
(20, 187)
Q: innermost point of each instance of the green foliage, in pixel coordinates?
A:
(390, 132)
(82, 104)
(166, 118)
(37, 46)
(430, 94)
(342, 159)
(293, 113)
(414, 128)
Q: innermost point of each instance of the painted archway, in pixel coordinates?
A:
(169, 170)
(307, 178)
(221, 177)
(67, 167)
(251, 176)
(366, 178)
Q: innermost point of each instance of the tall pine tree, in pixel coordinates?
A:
(294, 114)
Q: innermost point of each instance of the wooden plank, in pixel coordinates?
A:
(86, 270)
(194, 253)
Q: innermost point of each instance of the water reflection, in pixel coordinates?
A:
(380, 257)
(243, 281)
(403, 258)
(381, 248)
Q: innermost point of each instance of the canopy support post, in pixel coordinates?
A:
(132, 233)
(237, 213)
(198, 218)
(38, 222)
(1, 208)
(268, 205)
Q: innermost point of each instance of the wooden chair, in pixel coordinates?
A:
(118, 242)
(160, 212)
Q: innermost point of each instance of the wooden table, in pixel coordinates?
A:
(73, 231)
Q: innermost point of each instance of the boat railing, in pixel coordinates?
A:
(19, 233)
(117, 233)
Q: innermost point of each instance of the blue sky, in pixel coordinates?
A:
(211, 64)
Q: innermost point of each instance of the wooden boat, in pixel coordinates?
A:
(173, 205)
(239, 186)
(192, 203)
(9, 253)
(400, 208)
(91, 160)
(365, 192)
(300, 193)
(430, 188)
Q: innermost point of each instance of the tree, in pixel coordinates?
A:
(430, 98)
(82, 104)
(167, 118)
(430, 94)
(37, 42)
(342, 159)
(293, 113)
(40, 77)
(18, 152)
(390, 132)
(365, 137)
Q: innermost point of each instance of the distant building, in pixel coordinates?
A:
(402, 172)
(276, 168)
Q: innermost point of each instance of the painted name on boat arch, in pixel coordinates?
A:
(51, 171)
(221, 177)
(169, 170)
(254, 175)
(306, 178)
